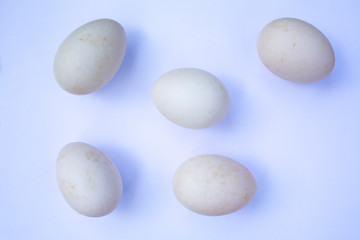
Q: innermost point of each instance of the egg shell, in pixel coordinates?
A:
(191, 98)
(89, 181)
(90, 56)
(295, 50)
(213, 185)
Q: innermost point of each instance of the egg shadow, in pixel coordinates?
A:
(262, 181)
(243, 111)
(123, 78)
(129, 169)
(236, 102)
(338, 74)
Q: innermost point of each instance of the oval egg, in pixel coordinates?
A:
(213, 185)
(88, 179)
(90, 56)
(191, 98)
(295, 50)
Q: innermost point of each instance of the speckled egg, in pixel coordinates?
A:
(213, 185)
(90, 56)
(89, 181)
(295, 50)
(191, 98)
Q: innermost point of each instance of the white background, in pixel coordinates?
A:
(301, 142)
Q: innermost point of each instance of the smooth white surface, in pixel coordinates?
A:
(301, 142)
(191, 98)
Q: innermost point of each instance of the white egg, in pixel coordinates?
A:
(191, 98)
(213, 185)
(90, 56)
(295, 50)
(89, 181)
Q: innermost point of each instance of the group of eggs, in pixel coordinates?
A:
(207, 184)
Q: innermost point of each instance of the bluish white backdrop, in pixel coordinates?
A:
(301, 142)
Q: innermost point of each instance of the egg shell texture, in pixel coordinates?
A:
(191, 98)
(295, 50)
(213, 185)
(90, 56)
(88, 179)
